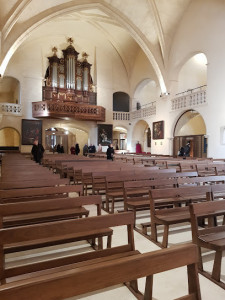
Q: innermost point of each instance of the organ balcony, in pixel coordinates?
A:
(73, 110)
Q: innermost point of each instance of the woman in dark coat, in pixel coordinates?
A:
(37, 151)
(110, 152)
(77, 149)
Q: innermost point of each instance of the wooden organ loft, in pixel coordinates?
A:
(68, 90)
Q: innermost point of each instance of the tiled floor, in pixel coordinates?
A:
(167, 285)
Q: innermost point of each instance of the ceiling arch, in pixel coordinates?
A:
(19, 28)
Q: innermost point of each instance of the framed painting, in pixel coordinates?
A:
(158, 130)
(105, 134)
(31, 130)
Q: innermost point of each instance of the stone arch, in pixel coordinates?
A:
(9, 138)
(106, 8)
(145, 93)
(9, 90)
(190, 126)
(192, 73)
(67, 137)
(139, 136)
(120, 137)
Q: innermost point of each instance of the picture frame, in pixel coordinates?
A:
(105, 134)
(158, 130)
(31, 130)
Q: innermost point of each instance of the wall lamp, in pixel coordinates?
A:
(164, 94)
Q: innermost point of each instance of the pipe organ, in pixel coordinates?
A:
(68, 79)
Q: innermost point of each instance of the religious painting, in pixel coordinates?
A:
(31, 130)
(105, 134)
(158, 130)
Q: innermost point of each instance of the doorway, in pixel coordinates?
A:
(191, 128)
(54, 137)
(198, 145)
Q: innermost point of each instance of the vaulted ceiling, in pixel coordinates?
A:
(129, 26)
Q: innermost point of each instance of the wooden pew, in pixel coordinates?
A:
(115, 184)
(136, 193)
(6, 185)
(175, 175)
(220, 169)
(206, 169)
(218, 191)
(200, 180)
(177, 214)
(103, 274)
(39, 211)
(212, 237)
(29, 176)
(29, 194)
(40, 235)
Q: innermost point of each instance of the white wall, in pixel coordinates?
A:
(202, 30)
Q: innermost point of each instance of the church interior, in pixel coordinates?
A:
(146, 77)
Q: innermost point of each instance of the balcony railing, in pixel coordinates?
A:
(121, 116)
(189, 98)
(53, 109)
(142, 113)
(12, 109)
(145, 112)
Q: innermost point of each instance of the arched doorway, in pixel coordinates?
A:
(66, 138)
(190, 127)
(9, 139)
(142, 137)
(119, 138)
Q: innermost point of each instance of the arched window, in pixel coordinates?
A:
(121, 102)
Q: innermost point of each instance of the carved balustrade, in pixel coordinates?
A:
(145, 112)
(54, 109)
(11, 109)
(121, 116)
(189, 99)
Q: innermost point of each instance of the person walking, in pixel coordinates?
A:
(77, 149)
(37, 151)
(110, 152)
(85, 150)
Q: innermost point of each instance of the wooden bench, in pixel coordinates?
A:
(200, 180)
(29, 194)
(206, 169)
(218, 191)
(220, 169)
(212, 237)
(39, 211)
(136, 193)
(106, 273)
(6, 185)
(175, 175)
(177, 214)
(115, 185)
(40, 235)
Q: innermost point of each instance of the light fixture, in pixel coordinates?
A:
(164, 94)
